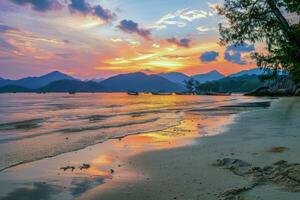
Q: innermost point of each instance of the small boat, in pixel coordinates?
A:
(72, 92)
(161, 93)
(183, 93)
(132, 93)
(217, 94)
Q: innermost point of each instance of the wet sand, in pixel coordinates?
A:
(189, 160)
(257, 158)
(67, 176)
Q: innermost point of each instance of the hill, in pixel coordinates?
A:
(175, 77)
(255, 71)
(71, 86)
(139, 82)
(14, 89)
(37, 82)
(210, 76)
(239, 84)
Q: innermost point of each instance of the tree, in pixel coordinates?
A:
(190, 85)
(274, 22)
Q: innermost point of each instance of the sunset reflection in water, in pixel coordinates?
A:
(123, 125)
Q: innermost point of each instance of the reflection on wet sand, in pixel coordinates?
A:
(108, 163)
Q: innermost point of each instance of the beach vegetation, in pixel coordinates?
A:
(274, 23)
(190, 85)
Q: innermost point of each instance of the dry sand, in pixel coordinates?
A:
(252, 160)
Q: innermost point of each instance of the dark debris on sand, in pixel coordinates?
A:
(67, 168)
(84, 166)
(281, 173)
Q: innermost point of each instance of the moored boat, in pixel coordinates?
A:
(218, 94)
(132, 93)
(161, 93)
(184, 93)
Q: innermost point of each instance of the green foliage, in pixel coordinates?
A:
(265, 21)
(292, 5)
(231, 84)
(190, 85)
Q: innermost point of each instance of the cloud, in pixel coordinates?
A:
(191, 15)
(234, 57)
(213, 6)
(168, 19)
(204, 29)
(5, 29)
(104, 14)
(241, 48)
(209, 56)
(234, 53)
(64, 55)
(155, 45)
(83, 7)
(184, 42)
(80, 6)
(130, 26)
(6, 45)
(180, 18)
(40, 5)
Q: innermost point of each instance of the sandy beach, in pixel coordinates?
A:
(236, 148)
(150, 100)
(259, 138)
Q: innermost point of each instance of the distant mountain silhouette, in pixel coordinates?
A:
(255, 71)
(71, 86)
(210, 76)
(169, 82)
(37, 82)
(240, 84)
(13, 89)
(139, 82)
(97, 80)
(175, 77)
(4, 82)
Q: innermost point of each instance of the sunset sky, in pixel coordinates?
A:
(100, 38)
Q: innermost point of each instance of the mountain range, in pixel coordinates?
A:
(249, 72)
(175, 77)
(60, 82)
(139, 82)
(37, 82)
(210, 76)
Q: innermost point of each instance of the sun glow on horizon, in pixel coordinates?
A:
(107, 40)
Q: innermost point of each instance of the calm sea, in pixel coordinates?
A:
(36, 126)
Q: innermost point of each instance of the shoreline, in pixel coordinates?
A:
(89, 146)
(102, 140)
(48, 170)
(106, 173)
(84, 146)
(260, 138)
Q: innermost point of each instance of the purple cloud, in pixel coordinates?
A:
(104, 14)
(4, 28)
(80, 6)
(184, 42)
(40, 5)
(130, 26)
(6, 45)
(241, 48)
(83, 7)
(209, 56)
(233, 53)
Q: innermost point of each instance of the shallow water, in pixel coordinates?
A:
(37, 126)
